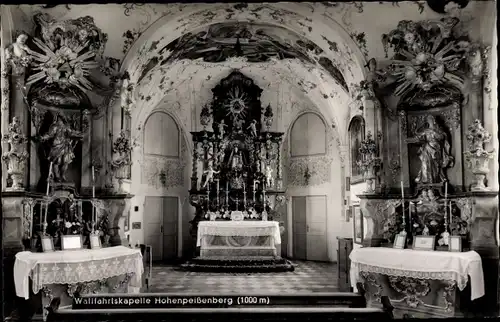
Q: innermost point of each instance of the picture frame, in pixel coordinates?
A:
(400, 241)
(71, 242)
(358, 224)
(455, 244)
(47, 244)
(424, 243)
(95, 241)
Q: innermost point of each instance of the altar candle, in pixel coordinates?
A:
(403, 205)
(445, 190)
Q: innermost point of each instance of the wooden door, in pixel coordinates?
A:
(299, 213)
(170, 219)
(153, 217)
(317, 245)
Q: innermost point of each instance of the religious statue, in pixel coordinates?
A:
(425, 232)
(64, 140)
(253, 128)
(269, 176)
(18, 54)
(236, 160)
(434, 153)
(210, 175)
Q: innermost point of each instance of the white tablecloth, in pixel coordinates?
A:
(75, 266)
(434, 265)
(239, 228)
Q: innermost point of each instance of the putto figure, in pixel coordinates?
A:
(64, 140)
(210, 175)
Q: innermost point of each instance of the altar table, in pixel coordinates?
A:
(238, 238)
(417, 276)
(61, 273)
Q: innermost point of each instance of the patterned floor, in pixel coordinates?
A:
(308, 277)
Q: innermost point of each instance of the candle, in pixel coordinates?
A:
(93, 174)
(403, 205)
(445, 190)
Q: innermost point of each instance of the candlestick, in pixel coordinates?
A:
(93, 174)
(445, 190)
(227, 194)
(451, 217)
(403, 205)
(244, 199)
(217, 180)
(48, 179)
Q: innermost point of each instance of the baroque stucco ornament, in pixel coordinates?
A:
(427, 54)
(66, 52)
(16, 157)
(477, 157)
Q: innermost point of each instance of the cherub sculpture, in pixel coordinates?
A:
(269, 176)
(253, 128)
(19, 55)
(210, 175)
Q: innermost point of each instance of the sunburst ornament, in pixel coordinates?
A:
(237, 103)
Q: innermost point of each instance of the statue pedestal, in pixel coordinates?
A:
(117, 208)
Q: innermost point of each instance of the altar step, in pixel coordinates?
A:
(247, 264)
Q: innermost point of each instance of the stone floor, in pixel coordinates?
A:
(308, 277)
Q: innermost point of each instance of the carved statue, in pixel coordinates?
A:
(18, 54)
(210, 175)
(434, 153)
(475, 60)
(253, 128)
(269, 176)
(236, 159)
(127, 95)
(61, 152)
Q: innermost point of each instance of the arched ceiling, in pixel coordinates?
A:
(284, 82)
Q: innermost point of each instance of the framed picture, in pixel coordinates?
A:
(95, 241)
(71, 242)
(358, 224)
(47, 244)
(400, 241)
(455, 244)
(424, 243)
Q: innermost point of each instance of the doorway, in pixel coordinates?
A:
(160, 226)
(309, 228)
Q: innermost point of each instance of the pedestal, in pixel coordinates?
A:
(117, 208)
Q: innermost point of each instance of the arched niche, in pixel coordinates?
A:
(161, 136)
(356, 136)
(308, 136)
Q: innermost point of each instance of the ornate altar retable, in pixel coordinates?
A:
(238, 238)
(423, 283)
(62, 273)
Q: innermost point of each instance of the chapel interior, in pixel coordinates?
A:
(239, 147)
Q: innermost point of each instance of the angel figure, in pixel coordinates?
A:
(425, 232)
(18, 54)
(253, 128)
(253, 213)
(269, 176)
(210, 175)
(222, 127)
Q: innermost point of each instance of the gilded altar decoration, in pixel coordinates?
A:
(477, 157)
(122, 147)
(434, 152)
(238, 160)
(16, 157)
(427, 54)
(127, 93)
(370, 161)
(413, 289)
(66, 53)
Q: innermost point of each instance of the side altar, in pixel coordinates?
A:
(236, 176)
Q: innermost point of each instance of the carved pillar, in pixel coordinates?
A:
(5, 40)
(376, 212)
(370, 116)
(118, 208)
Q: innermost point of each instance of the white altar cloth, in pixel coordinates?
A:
(239, 228)
(75, 266)
(433, 265)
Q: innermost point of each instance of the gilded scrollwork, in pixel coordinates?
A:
(449, 290)
(371, 279)
(412, 289)
(465, 206)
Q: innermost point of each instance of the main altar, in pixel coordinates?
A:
(236, 176)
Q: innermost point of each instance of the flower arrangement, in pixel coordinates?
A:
(73, 227)
(368, 151)
(477, 136)
(122, 143)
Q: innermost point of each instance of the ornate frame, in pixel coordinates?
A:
(432, 246)
(50, 241)
(356, 212)
(459, 240)
(95, 241)
(358, 118)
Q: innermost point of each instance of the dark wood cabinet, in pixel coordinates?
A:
(344, 263)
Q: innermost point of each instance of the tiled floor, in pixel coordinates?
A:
(308, 277)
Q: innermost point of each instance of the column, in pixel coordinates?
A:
(5, 40)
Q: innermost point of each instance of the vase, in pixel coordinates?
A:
(16, 165)
(479, 165)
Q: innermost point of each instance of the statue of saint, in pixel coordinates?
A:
(434, 153)
(236, 159)
(64, 140)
